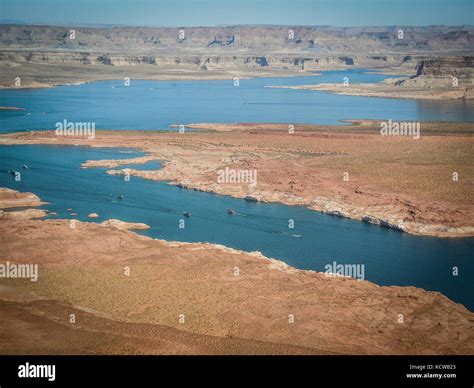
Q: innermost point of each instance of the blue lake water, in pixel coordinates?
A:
(157, 104)
(390, 257)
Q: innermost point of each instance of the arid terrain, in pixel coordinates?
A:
(420, 186)
(44, 56)
(105, 290)
(437, 79)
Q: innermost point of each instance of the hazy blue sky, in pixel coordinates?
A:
(215, 12)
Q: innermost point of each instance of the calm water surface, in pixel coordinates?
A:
(158, 104)
(390, 257)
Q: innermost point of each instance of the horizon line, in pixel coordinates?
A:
(109, 25)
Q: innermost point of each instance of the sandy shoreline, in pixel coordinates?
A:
(131, 294)
(396, 182)
(55, 75)
(387, 91)
(103, 286)
(11, 198)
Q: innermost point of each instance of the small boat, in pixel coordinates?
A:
(120, 196)
(25, 166)
(230, 211)
(12, 172)
(187, 214)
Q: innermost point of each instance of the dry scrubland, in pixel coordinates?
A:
(82, 272)
(399, 182)
(82, 269)
(394, 181)
(44, 56)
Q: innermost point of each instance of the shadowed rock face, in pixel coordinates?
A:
(222, 40)
(347, 60)
(444, 74)
(262, 61)
(446, 67)
(50, 55)
(250, 39)
(204, 61)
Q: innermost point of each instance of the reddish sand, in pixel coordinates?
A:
(132, 294)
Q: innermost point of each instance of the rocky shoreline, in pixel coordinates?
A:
(194, 298)
(434, 79)
(45, 56)
(385, 90)
(192, 160)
